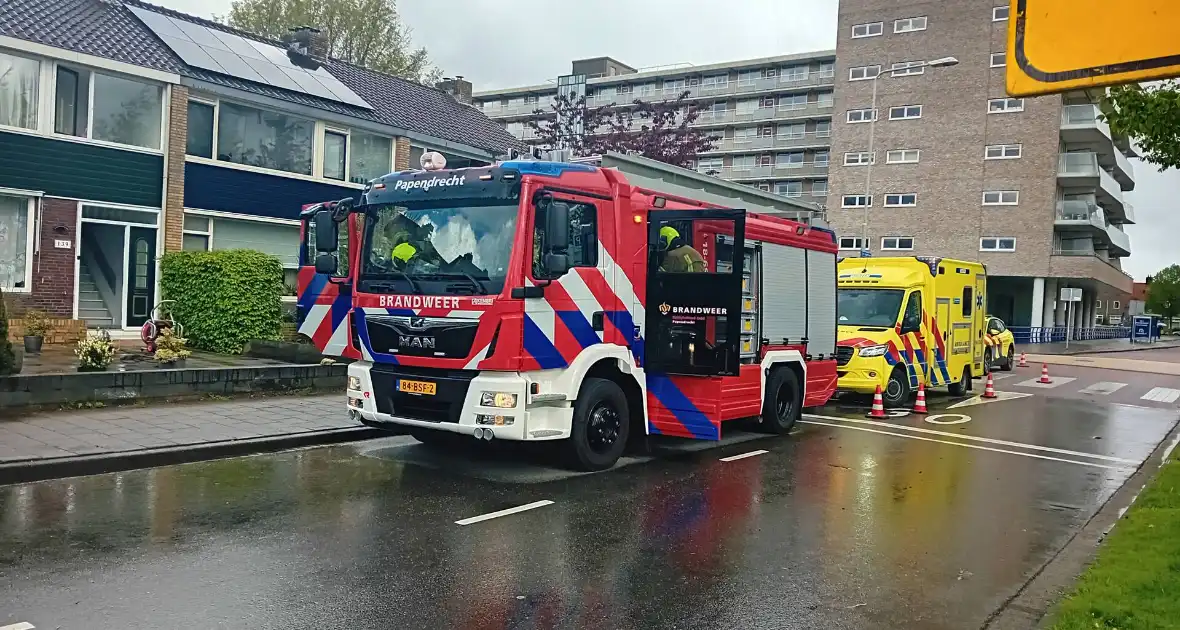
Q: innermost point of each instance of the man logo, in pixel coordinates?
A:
(417, 323)
(665, 308)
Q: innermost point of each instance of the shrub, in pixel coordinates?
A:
(224, 298)
(36, 323)
(7, 359)
(170, 348)
(95, 351)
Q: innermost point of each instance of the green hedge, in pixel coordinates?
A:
(224, 298)
(7, 360)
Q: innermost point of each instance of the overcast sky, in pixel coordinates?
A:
(507, 43)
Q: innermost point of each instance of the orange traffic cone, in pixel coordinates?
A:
(878, 405)
(1045, 374)
(920, 403)
(989, 390)
(1023, 361)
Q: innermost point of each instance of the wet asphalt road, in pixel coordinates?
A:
(849, 523)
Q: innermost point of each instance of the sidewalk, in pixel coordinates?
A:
(70, 443)
(1095, 346)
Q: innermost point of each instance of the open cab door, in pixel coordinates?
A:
(322, 303)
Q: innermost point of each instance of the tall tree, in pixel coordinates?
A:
(1149, 114)
(1163, 294)
(369, 33)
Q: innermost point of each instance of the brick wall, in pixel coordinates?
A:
(173, 237)
(53, 268)
(401, 155)
(60, 330)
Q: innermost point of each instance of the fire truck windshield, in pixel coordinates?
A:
(868, 307)
(438, 249)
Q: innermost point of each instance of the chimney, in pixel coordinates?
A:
(457, 87)
(307, 46)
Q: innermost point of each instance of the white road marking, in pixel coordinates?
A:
(733, 458)
(485, 517)
(1161, 394)
(975, 446)
(1002, 376)
(976, 438)
(980, 400)
(1057, 380)
(936, 418)
(24, 625)
(1102, 388)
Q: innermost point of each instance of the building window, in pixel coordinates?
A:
(1002, 151)
(335, 155)
(827, 69)
(909, 25)
(789, 160)
(902, 156)
(997, 244)
(858, 158)
(897, 243)
(709, 166)
(200, 129)
(713, 82)
(1005, 105)
(264, 139)
(793, 73)
(871, 29)
(856, 201)
(824, 99)
(999, 14)
(822, 158)
(861, 115)
(789, 189)
(905, 112)
(198, 233)
(823, 129)
(16, 243)
(1098, 305)
(1001, 197)
(999, 59)
(126, 112)
(796, 101)
(819, 188)
(1115, 305)
(69, 115)
(19, 79)
(907, 68)
(901, 200)
(792, 132)
(852, 242)
(863, 73)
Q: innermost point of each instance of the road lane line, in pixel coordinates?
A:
(999, 377)
(1102, 388)
(975, 446)
(1162, 394)
(731, 458)
(24, 625)
(976, 438)
(490, 515)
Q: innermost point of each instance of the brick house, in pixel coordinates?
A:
(122, 138)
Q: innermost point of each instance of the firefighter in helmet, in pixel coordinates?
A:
(679, 257)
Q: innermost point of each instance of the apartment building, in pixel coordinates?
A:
(1031, 187)
(771, 116)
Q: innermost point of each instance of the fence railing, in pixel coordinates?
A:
(1054, 334)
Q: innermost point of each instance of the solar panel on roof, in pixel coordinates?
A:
(239, 45)
(192, 54)
(235, 65)
(342, 92)
(274, 75)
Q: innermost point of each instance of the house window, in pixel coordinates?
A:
(789, 189)
(789, 160)
(16, 243)
(1005, 105)
(851, 242)
(871, 29)
(897, 243)
(901, 200)
(861, 115)
(69, 115)
(905, 112)
(19, 79)
(999, 14)
(907, 68)
(126, 111)
(200, 129)
(335, 155)
(819, 188)
(909, 25)
(860, 158)
(902, 156)
(823, 129)
(863, 73)
(1002, 151)
(198, 233)
(264, 139)
(1001, 197)
(856, 201)
(999, 59)
(997, 244)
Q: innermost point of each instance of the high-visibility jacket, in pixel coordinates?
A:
(683, 259)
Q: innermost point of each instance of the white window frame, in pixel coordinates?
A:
(38, 109)
(908, 25)
(1005, 150)
(896, 244)
(827, 133)
(905, 110)
(907, 68)
(900, 156)
(1003, 59)
(827, 153)
(1000, 13)
(857, 243)
(323, 136)
(898, 200)
(1098, 305)
(860, 158)
(827, 188)
(862, 73)
(788, 183)
(998, 248)
(1015, 194)
(871, 115)
(208, 234)
(844, 201)
(1011, 105)
(49, 103)
(867, 27)
(31, 228)
(1115, 305)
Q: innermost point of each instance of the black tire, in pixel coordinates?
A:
(989, 359)
(602, 424)
(897, 389)
(1010, 362)
(442, 440)
(783, 403)
(964, 385)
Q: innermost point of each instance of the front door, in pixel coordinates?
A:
(141, 275)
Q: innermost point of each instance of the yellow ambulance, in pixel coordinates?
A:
(909, 320)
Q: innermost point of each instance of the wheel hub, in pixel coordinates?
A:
(602, 431)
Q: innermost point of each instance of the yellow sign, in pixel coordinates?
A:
(1061, 45)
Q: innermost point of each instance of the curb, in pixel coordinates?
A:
(1164, 345)
(56, 468)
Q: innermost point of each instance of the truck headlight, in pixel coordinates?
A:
(503, 400)
(354, 382)
(873, 351)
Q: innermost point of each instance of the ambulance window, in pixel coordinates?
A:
(912, 321)
(967, 302)
(583, 238)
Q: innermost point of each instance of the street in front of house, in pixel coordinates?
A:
(908, 521)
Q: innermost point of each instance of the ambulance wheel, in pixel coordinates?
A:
(897, 389)
(601, 426)
(1009, 362)
(783, 404)
(964, 385)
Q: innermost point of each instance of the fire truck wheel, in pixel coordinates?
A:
(601, 426)
(897, 389)
(781, 407)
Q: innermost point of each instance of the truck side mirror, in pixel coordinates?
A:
(327, 234)
(557, 226)
(556, 265)
(325, 263)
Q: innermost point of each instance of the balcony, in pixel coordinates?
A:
(713, 118)
(518, 109)
(1128, 213)
(1080, 171)
(771, 171)
(1080, 216)
(1120, 243)
(1086, 264)
(1082, 127)
(809, 139)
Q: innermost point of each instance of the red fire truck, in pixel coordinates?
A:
(532, 300)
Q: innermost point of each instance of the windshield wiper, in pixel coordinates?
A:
(389, 287)
(482, 290)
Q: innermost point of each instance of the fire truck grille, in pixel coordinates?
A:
(448, 338)
(843, 355)
(444, 405)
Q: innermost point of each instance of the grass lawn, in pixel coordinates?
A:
(1135, 581)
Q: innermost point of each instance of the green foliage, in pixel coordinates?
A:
(367, 33)
(1163, 294)
(1150, 115)
(95, 351)
(36, 323)
(170, 348)
(224, 298)
(7, 359)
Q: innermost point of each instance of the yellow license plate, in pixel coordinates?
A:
(417, 387)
